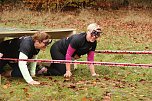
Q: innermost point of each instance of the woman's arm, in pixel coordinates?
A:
(33, 66)
(24, 70)
(69, 54)
(91, 66)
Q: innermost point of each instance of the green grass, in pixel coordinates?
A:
(121, 83)
(123, 30)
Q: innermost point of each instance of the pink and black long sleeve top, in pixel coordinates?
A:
(77, 45)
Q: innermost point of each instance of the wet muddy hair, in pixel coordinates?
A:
(40, 36)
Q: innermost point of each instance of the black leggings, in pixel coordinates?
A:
(15, 69)
(56, 69)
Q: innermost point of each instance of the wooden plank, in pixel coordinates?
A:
(55, 33)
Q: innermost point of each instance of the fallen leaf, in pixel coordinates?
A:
(5, 86)
(25, 90)
(72, 86)
(43, 83)
(11, 92)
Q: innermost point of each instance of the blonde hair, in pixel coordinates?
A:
(40, 36)
(93, 26)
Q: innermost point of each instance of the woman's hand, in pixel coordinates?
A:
(95, 75)
(67, 74)
(34, 83)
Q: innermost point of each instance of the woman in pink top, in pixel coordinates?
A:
(73, 47)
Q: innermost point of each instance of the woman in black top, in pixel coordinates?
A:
(22, 48)
(73, 47)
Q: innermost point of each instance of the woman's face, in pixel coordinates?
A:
(41, 45)
(92, 37)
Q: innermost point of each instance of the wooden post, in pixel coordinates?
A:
(0, 79)
(1, 39)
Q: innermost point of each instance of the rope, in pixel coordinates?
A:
(122, 52)
(80, 62)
